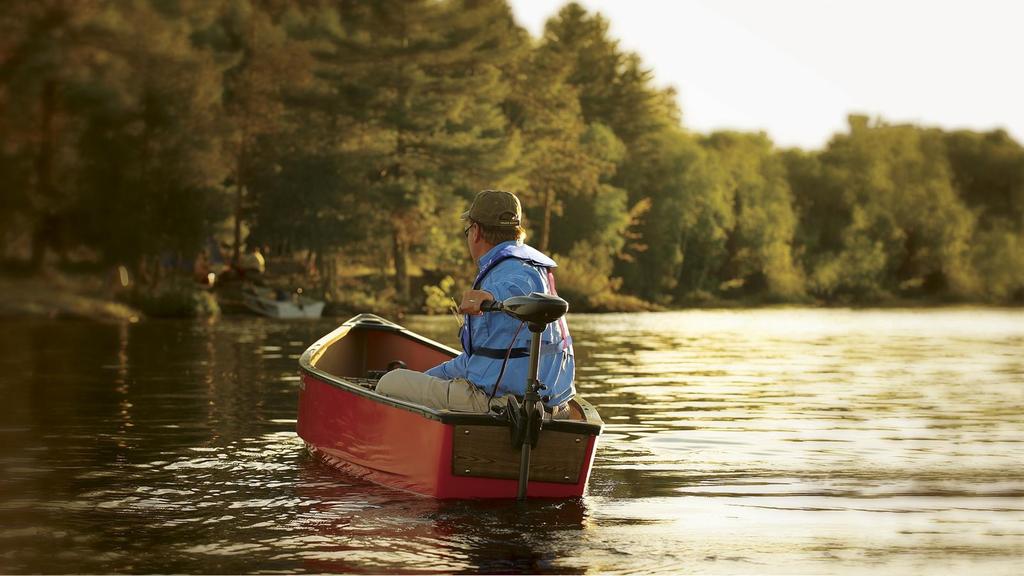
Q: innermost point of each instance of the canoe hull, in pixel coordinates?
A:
(434, 453)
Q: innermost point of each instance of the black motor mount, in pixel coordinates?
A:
(520, 426)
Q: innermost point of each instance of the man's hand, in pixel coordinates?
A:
(471, 300)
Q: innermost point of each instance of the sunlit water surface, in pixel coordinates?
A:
(770, 441)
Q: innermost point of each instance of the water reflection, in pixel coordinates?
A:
(360, 528)
(765, 441)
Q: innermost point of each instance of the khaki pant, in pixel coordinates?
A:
(458, 395)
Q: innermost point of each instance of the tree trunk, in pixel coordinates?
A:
(400, 251)
(313, 259)
(240, 160)
(236, 251)
(326, 265)
(545, 231)
(42, 227)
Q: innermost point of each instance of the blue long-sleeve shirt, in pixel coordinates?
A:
(557, 366)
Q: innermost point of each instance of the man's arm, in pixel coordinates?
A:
(455, 368)
(458, 367)
(512, 280)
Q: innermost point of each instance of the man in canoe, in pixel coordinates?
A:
(495, 347)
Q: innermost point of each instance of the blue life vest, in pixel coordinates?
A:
(539, 260)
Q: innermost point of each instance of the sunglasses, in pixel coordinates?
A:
(465, 232)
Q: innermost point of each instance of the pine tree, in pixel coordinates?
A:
(149, 147)
(44, 47)
(616, 91)
(422, 83)
(262, 66)
(562, 157)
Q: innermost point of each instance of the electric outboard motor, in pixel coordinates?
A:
(537, 310)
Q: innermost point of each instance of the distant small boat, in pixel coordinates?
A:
(437, 453)
(281, 304)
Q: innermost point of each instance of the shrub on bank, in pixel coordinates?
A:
(359, 296)
(175, 299)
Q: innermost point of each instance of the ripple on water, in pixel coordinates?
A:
(768, 441)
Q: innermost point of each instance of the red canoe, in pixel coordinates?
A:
(435, 453)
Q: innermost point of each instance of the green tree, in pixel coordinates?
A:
(821, 210)
(564, 160)
(909, 232)
(147, 187)
(760, 252)
(262, 65)
(998, 255)
(44, 54)
(423, 84)
(671, 170)
(614, 87)
(615, 92)
(988, 174)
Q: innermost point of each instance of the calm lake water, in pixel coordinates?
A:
(769, 441)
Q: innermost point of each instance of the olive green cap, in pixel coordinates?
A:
(495, 208)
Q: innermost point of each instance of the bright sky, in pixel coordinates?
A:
(796, 68)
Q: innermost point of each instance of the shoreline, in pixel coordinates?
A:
(55, 296)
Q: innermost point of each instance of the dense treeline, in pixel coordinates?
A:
(353, 133)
